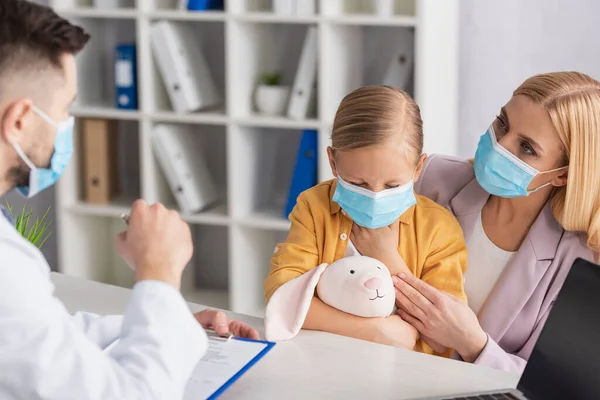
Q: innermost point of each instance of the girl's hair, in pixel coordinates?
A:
(371, 115)
(573, 102)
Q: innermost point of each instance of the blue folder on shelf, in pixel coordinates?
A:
(126, 77)
(224, 363)
(306, 170)
(204, 5)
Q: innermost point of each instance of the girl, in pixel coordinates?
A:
(529, 205)
(376, 156)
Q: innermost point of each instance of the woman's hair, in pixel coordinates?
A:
(371, 115)
(573, 102)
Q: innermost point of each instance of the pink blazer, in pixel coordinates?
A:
(517, 307)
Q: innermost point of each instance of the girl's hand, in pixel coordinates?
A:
(380, 244)
(443, 319)
(393, 331)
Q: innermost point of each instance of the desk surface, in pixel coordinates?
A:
(317, 365)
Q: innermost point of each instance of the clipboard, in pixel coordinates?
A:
(250, 364)
(244, 359)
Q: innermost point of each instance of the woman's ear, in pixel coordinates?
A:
(331, 156)
(561, 179)
(420, 165)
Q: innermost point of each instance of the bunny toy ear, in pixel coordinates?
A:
(287, 308)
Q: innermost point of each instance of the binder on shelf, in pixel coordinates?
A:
(306, 169)
(201, 5)
(304, 8)
(304, 82)
(400, 68)
(126, 77)
(284, 7)
(184, 169)
(183, 67)
(99, 145)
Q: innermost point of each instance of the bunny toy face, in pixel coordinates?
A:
(358, 285)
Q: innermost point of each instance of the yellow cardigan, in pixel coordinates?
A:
(431, 243)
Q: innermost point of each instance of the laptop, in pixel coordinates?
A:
(565, 361)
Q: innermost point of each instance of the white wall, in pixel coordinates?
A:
(505, 41)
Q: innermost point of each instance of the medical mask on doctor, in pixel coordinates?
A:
(42, 178)
(499, 172)
(374, 210)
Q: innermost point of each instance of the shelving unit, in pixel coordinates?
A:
(250, 156)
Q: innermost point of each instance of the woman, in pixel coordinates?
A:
(528, 205)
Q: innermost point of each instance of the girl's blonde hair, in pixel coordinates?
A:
(572, 100)
(370, 115)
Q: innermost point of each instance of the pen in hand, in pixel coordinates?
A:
(125, 217)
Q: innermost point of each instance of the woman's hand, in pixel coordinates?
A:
(444, 320)
(218, 321)
(380, 244)
(393, 331)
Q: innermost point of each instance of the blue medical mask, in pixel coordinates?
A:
(42, 178)
(500, 173)
(374, 210)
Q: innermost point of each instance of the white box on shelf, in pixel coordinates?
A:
(186, 172)
(305, 8)
(384, 8)
(183, 67)
(285, 7)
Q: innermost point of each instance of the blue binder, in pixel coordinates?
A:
(306, 169)
(269, 346)
(126, 77)
(203, 5)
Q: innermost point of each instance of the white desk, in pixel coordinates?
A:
(316, 365)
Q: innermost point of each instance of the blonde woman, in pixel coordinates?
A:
(528, 205)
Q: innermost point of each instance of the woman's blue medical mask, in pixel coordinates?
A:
(42, 178)
(374, 210)
(499, 172)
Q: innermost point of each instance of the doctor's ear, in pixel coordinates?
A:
(14, 120)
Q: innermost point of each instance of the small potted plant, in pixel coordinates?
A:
(36, 232)
(271, 96)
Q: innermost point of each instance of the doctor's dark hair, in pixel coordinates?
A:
(34, 37)
(375, 114)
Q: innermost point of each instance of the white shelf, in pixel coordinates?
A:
(210, 118)
(99, 13)
(179, 15)
(373, 20)
(267, 220)
(250, 157)
(271, 18)
(105, 112)
(257, 120)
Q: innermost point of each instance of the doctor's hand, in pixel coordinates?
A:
(444, 320)
(157, 243)
(218, 321)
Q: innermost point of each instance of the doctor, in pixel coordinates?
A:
(46, 353)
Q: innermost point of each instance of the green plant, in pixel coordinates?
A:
(37, 233)
(271, 79)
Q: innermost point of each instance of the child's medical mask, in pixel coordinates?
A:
(499, 172)
(374, 210)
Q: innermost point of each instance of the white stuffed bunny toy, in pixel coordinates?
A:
(357, 285)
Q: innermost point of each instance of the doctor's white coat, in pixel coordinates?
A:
(47, 353)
